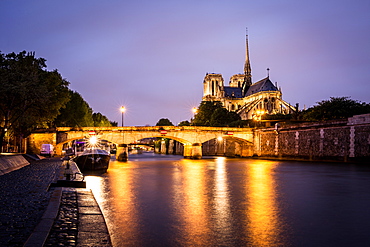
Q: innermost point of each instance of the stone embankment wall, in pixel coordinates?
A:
(10, 163)
(227, 146)
(336, 140)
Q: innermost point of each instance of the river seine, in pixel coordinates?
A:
(159, 200)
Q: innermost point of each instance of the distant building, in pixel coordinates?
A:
(249, 100)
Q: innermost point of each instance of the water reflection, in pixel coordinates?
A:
(95, 183)
(221, 207)
(204, 203)
(264, 227)
(194, 216)
(190, 202)
(119, 203)
(233, 202)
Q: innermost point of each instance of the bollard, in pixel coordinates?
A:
(67, 171)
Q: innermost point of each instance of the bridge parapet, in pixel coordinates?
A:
(183, 134)
(191, 136)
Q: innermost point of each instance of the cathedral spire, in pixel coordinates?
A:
(247, 65)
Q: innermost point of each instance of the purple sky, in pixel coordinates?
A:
(152, 56)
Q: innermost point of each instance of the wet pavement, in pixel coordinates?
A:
(31, 214)
(24, 197)
(79, 221)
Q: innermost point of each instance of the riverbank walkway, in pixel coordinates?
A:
(34, 214)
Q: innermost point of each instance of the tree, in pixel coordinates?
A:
(164, 122)
(222, 117)
(205, 111)
(77, 113)
(184, 123)
(100, 120)
(113, 123)
(335, 108)
(30, 95)
(212, 113)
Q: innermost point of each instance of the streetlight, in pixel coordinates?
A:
(123, 109)
(194, 110)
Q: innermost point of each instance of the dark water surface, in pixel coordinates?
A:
(155, 200)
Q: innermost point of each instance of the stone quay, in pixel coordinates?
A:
(34, 212)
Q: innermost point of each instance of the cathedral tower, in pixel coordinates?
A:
(247, 67)
(213, 85)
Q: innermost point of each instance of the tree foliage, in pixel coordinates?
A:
(113, 123)
(184, 123)
(205, 111)
(212, 113)
(164, 122)
(100, 120)
(222, 117)
(30, 95)
(77, 113)
(335, 108)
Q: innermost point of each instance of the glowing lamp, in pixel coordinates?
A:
(93, 140)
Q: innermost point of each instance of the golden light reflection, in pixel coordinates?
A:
(264, 226)
(122, 215)
(222, 198)
(194, 215)
(95, 184)
(125, 208)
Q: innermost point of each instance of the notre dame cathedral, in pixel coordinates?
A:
(249, 100)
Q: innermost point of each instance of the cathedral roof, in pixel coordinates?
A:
(233, 92)
(262, 85)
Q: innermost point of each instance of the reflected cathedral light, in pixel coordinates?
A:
(222, 198)
(196, 227)
(265, 226)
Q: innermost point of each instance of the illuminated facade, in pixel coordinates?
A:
(249, 100)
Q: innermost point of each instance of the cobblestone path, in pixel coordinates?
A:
(24, 198)
(65, 229)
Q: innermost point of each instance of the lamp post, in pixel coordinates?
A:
(123, 109)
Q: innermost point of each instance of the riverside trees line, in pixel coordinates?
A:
(31, 97)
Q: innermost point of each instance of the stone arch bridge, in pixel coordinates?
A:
(192, 137)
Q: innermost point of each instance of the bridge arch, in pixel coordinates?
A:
(59, 146)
